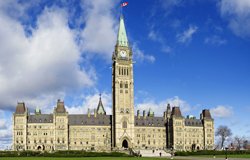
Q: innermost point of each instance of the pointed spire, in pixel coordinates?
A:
(122, 39)
(100, 108)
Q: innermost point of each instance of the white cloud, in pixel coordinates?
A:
(221, 111)
(140, 56)
(154, 36)
(42, 65)
(187, 35)
(237, 13)
(160, 107)
(99, 34)
(91, 102)
(169, 4)
(215, 40)
(5, 130)
(3, 124)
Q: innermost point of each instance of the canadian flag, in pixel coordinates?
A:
(124, 4)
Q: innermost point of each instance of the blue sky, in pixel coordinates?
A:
(193, 54)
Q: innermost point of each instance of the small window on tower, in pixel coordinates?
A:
(126, 85)
(121, 85)
(124, 124)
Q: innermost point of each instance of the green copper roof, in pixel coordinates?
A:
(122, 39)
(37, 111)
(100, 108)
(150, 112)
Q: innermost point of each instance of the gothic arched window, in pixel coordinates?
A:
(124, 124)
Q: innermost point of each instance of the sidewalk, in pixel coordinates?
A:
(205, 158)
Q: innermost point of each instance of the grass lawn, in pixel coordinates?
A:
(80, 158)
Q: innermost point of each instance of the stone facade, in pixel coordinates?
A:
(123, 129)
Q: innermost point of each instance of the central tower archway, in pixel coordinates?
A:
(125, 143)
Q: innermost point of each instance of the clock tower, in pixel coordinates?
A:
(122, 92)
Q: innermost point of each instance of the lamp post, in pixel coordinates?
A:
(226, 153)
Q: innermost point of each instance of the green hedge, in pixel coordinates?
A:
(60, 154)
(210, 152)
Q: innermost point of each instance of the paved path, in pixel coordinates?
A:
(204, 158)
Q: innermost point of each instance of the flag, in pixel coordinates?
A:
(124, 4)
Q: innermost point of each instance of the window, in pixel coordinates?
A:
(124, 124)
(122, 111)
(127, 110)
(126, 85)
(121, 85)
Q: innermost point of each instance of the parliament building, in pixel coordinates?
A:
(123, 129)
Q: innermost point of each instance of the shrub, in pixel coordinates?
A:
(60, 154)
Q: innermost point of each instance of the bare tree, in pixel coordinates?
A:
(239, 141)
(245, 143)
(223, 132)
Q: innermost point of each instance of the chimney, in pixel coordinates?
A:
(138, 114)
(88, 112)
(94, 112)
(144, 114)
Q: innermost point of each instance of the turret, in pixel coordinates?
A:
(60, 108)
(138, 114)
(20, 127)
(88, 112)
(144, 114)
(37, 111)
(208, 129)
(176, 112)
(150, 113)
(95, 113)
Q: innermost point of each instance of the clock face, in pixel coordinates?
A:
(123, 53)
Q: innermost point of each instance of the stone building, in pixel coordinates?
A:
(123, 129)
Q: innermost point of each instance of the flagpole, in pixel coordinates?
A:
(121, 10)
(123, 5)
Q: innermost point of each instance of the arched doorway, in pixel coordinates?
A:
(125, 143)
(198, 148)
(39, 148)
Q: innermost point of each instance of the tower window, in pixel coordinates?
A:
(126, 85)
(124, 124)
(121, 85)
